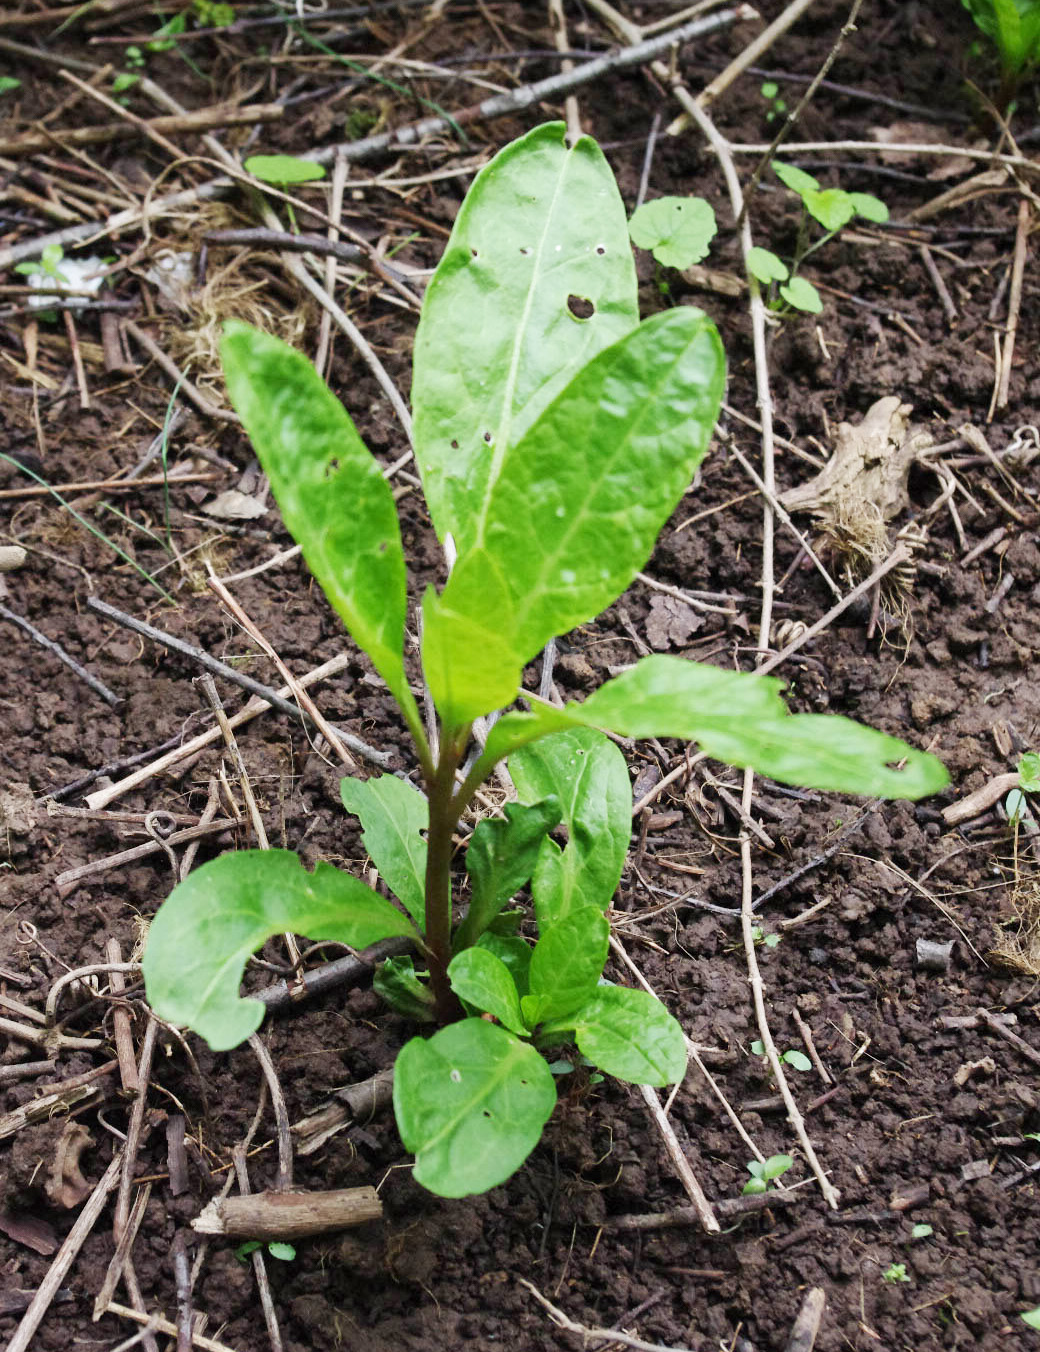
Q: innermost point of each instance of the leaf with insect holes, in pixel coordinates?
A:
(587, 774)
(485, 982)
(566, 965)
(576, 509)
(210, 923)
(739, 719)
(536, 279)
(283, 169)
(331, 492)
(765, 266)
(802, 295)
(470, 1103)
(394, 817)
(678, 230)
(501, 857)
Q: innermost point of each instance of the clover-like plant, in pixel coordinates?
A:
(555, 433)
(833, 208)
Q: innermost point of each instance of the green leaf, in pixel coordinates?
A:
(124, 81)
(753, 1187)
(393, 815)
(921, 1231)
(203, 933)
(566, 965)
(332, 494)
(630, 1035)
(511, 950)
(285, 1253)
(1029, 772)
(483, 980)
(678, 230)
(500, 860)
(497, 340)
(576, 509)
(586, 773)
(740, 719)
(1032, 1317)
(283, 169)
(832, 207)
(470, 1103)
(764, 264)
(795, 179)
(802, 295)
(797, 1059)
(868, 206)
(7, 83)
(773, 1167)
(396, 982)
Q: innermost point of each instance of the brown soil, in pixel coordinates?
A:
(918, 1110)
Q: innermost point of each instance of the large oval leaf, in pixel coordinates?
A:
(470, 1103)
(333, 498)
(543, 224)
(576, 508)
(566, 965)
(208, 926)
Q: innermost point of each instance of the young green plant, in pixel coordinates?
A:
(555, 434)
(1014, 28)
(833, 208)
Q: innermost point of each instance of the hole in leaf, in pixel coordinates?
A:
(454, 445)
(455, 1077)
(601, 248)
(486, 1113)
(331, 468)
(473, 253)
(524, 250)
(487, 437)
(580, 307)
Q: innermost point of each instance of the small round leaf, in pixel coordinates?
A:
(802, 295)
(678, 230)
(765, 265)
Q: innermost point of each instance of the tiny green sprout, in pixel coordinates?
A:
(792, 1057)
(770, 91)
(764, 1172)
(759, 936)
(895, 1272)
(134, 57)
(677, 230)
(285, 1253)
(123, 81)
(1032, 1317)
(7, 83)
(921, 1231)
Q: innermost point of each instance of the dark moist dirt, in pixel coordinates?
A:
(917, 1111)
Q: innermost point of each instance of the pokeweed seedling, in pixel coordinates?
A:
(792, 1057)
(895, 1272)
(1014, 28)
(764, 1172)
(770, 91)
(833, 208)
(554, 440)
(759, 936)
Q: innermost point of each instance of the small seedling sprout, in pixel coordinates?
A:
(764, 1172)
(895, 1272)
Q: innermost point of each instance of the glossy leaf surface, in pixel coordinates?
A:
(483, 980)
(209, 925)
(566, 965)
(542, 225)
(470, 1103)
(576, 509)
(501, 858)
(333, 498)
(629, 1034)
(587, 773)
(393, 814)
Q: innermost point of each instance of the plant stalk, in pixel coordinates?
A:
(444, 816)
